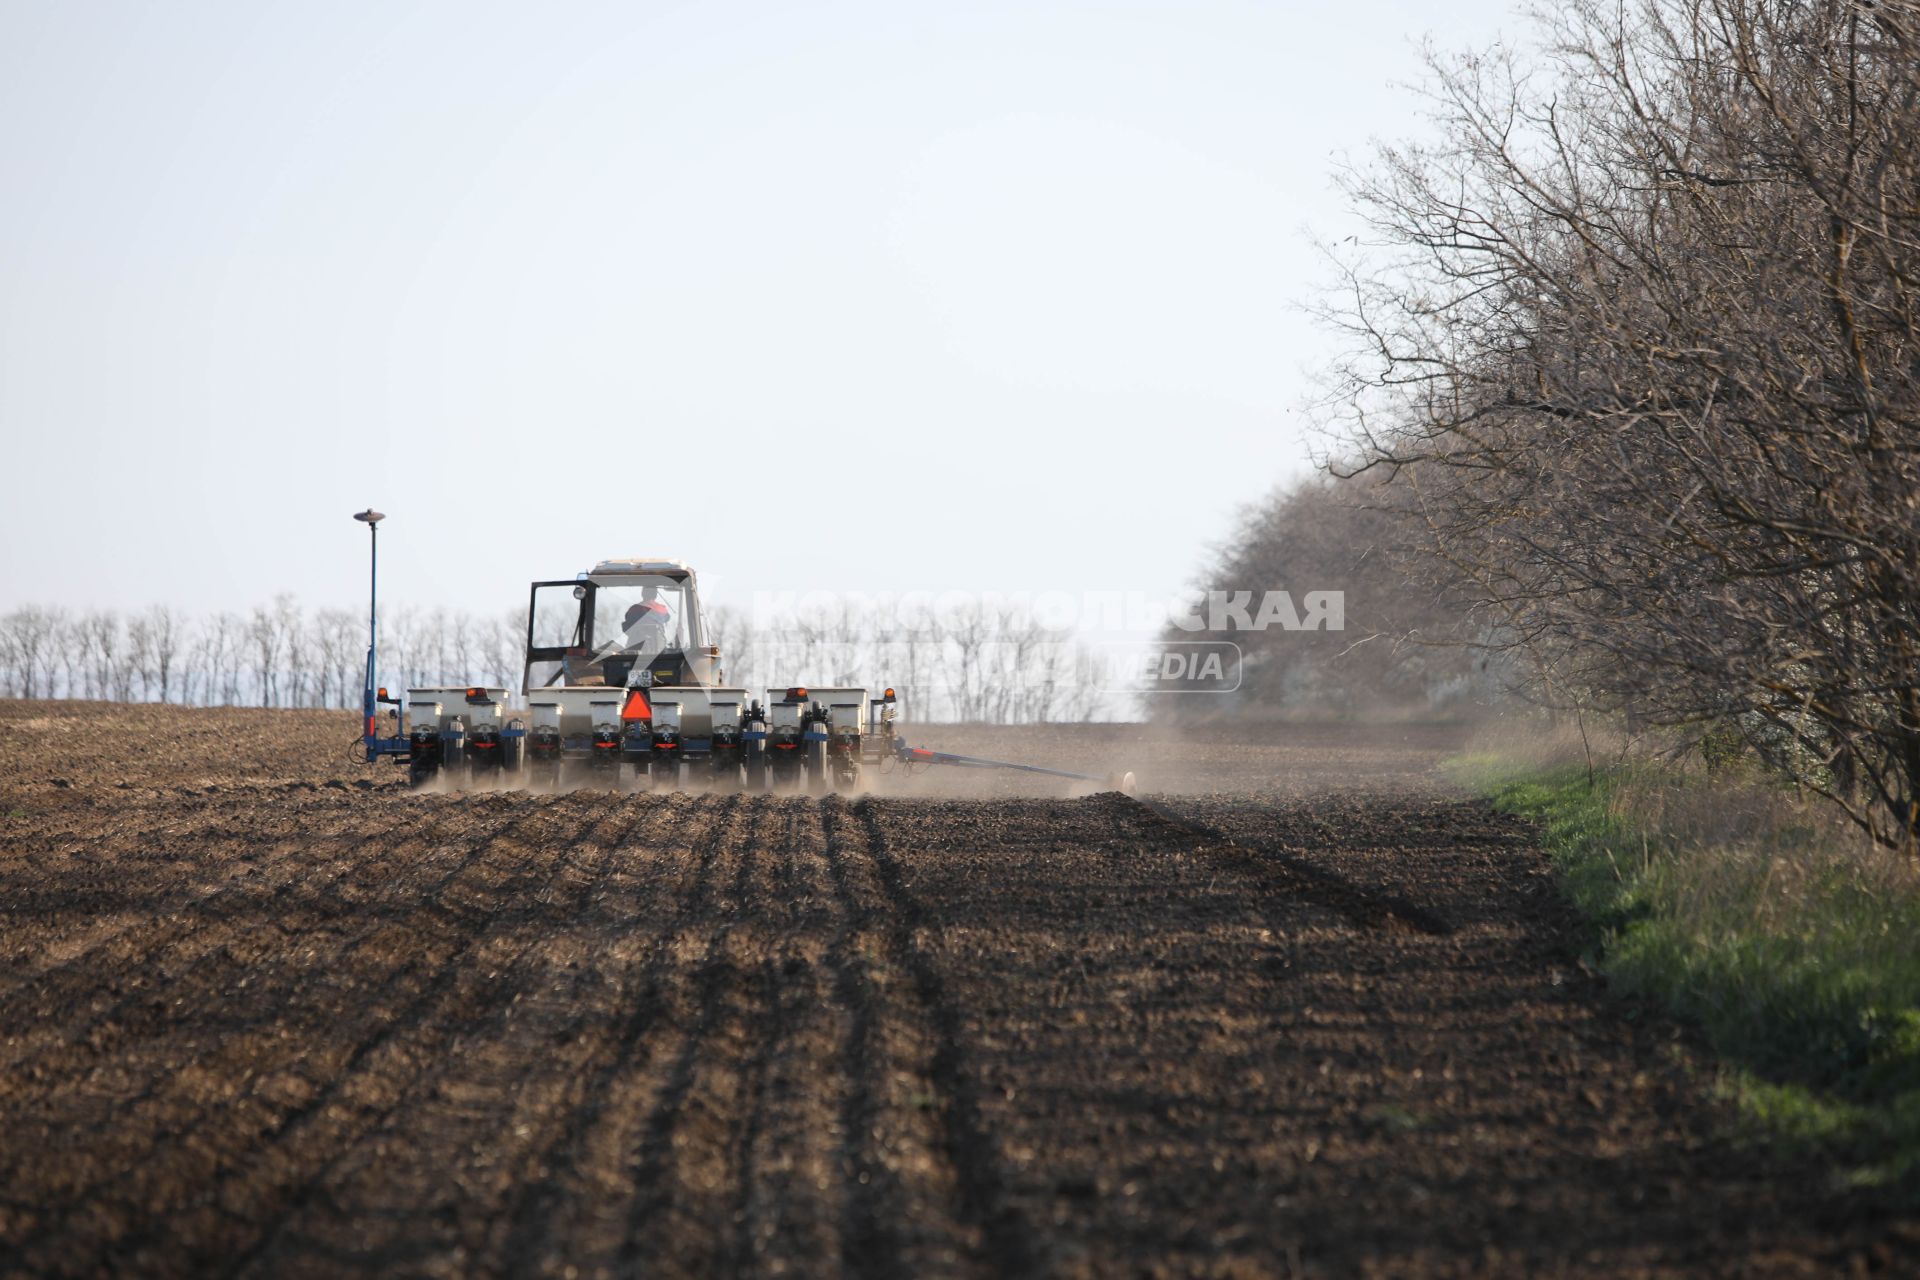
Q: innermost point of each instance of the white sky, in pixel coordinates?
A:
(846, 296)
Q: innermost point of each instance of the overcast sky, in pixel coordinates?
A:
(855, 296)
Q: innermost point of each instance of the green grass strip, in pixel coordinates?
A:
(1802, 969)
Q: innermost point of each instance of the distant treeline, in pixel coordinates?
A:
(971, 664)
(1632, 415)
(1411, 645)
(274, 655)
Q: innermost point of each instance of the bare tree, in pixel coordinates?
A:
(228, 637)
(164, 635)
(911, 654)
(333, 647)
(739, 644)
(457, 631)
(27, 639)
(297, 658)
(99, 636)
(70, 652)
(267, 643)
(138, 665)
(967, 630)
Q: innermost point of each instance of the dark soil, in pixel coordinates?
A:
(1298, 1011)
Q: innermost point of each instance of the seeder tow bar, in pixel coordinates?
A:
(1122, 782)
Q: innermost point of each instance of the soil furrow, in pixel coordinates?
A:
(171, 939)
(675, 1224)
(361, 1135)
(1305, 1012)
(104, 870)
(879, 1048)
(1005, 1238)
(662, 891)
(787, 1219)
(256, 964)
(291, 1078)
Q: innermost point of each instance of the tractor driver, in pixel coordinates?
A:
(643, 635)
(645, 625)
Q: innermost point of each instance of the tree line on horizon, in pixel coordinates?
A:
(982, 663)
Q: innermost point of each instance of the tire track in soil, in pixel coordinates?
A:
(681, 1167)
(874, 1201)
(541, 1226)
(197, 1205)
(1280, 872)
(783, 1223)
(425, 1124)
(1004, 1243)
(750, 1235)
(898, 1186)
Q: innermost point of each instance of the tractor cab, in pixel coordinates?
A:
(633, 622)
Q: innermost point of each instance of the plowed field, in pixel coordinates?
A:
(1298, 1010)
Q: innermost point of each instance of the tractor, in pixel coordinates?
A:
(624, 690)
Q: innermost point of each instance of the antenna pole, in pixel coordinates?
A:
(369, 704)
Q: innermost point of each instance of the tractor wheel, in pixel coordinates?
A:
(513, 762)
